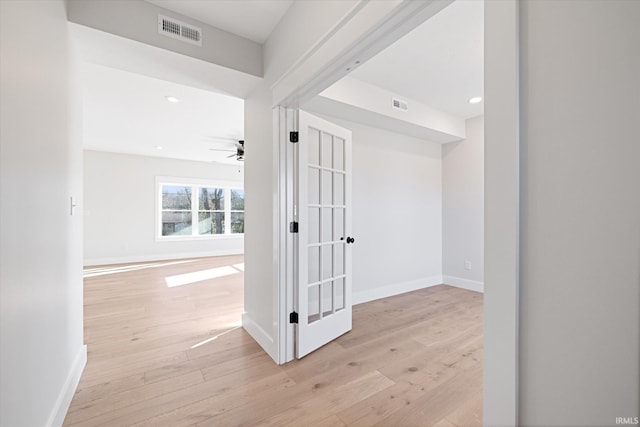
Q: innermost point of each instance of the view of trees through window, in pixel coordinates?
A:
(211, 211)
(237, 211)
(195, 210)
(176, 210)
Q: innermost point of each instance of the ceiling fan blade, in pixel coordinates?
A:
(233, 155)
(221, 139)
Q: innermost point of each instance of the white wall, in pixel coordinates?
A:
(397, 212)
(41, 339)
(260, 279)
(580, 213)
(304, 24)
(120, 208)
(463, 208)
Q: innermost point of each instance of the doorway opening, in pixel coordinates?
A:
(500, 392)
(163, 219)
(418, 156)
(416, 113)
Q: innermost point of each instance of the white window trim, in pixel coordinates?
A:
(172, 180)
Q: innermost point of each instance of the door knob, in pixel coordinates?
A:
(350, 240)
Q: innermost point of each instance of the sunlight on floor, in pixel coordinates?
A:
(101, 271)
(208, 340)
(199, 276)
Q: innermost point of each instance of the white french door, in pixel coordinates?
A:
(323, 251)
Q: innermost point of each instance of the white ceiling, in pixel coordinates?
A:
(128, 113)
(440, 63)
(251, 19)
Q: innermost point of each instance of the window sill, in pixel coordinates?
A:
(197, 238)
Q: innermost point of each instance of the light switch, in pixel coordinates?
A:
(72, 206)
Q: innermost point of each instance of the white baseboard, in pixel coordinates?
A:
(159, 257)
(395, 289)
(56, 419)
(471, 285)
(260, 336)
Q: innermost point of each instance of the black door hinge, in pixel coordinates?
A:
(293, 227)
(293, 136)
(293, 317)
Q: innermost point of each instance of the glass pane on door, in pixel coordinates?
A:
(314, 225)
(338, 264)
(314, 303)
(314, 186)
(327, 225)
(338, 153)
(339, 302)
(338, 224)
(327, 262)
(327, 150)
(314, 147)
(338, 189)
(327, 188)
(314, 264)
(327, 298)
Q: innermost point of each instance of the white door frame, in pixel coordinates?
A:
(285, 121)
(501, 212)
(502, 199)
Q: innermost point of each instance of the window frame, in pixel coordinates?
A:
(196, 184)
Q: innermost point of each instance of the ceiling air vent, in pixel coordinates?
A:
(175, 29)
(399, 104)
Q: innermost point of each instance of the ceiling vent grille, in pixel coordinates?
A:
(399, 104)
(178, 30)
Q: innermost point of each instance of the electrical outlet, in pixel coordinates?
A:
(467, 265)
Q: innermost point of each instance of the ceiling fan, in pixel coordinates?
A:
(238, 150)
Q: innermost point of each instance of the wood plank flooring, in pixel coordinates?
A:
(176, 356)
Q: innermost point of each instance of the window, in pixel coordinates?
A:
(199, 209)
(211, 215)
(176, 210)
(237, 211)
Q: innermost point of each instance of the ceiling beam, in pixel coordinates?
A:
(138, 20)
(362, 102)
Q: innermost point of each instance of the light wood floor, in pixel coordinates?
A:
(154, 359)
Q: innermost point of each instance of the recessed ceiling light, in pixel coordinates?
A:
(158, 147)
(475, 100)
(171, 99)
